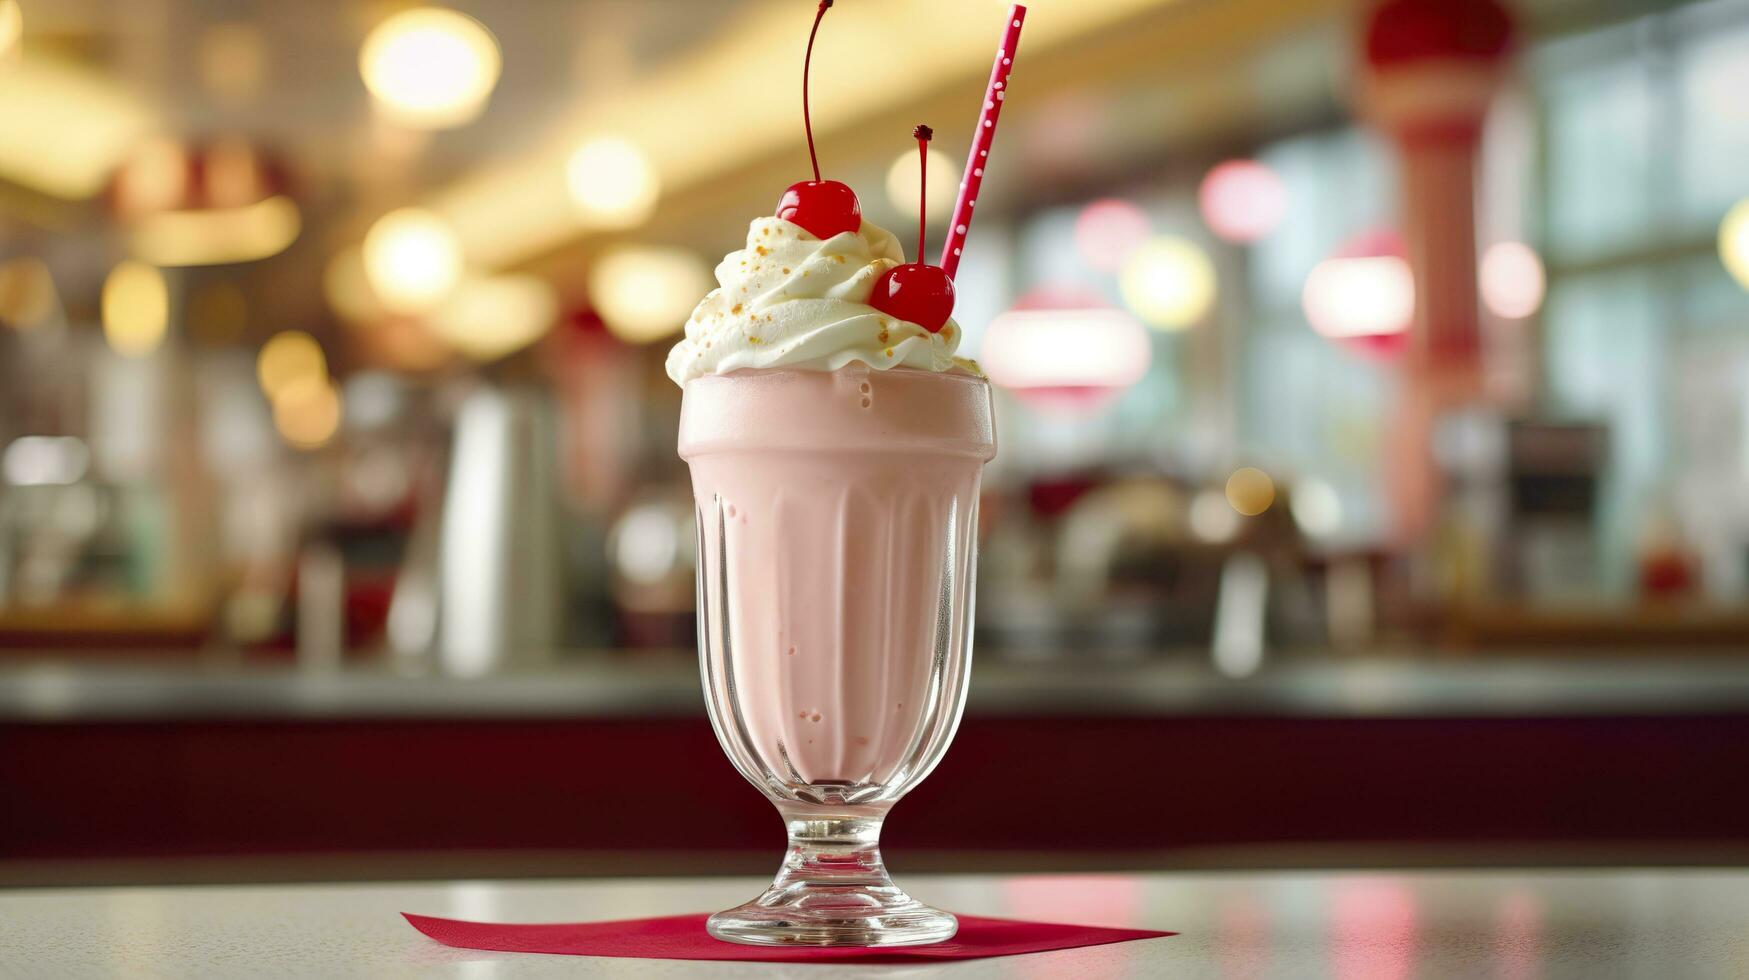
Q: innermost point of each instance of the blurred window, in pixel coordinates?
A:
(1712, 87)
(1605, 354)
(1339, 184)
(1600, 107)
(1646, 129)
(1310, 405)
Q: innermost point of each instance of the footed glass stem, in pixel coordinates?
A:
(833, 890)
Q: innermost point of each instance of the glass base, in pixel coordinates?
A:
(858, 918)
(833, 890)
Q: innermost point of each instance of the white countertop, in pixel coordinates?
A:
(1671, 925)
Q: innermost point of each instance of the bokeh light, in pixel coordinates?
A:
(1212, 519)
(11, 28)
(612, 183)
(288, 359)
(35, 461)
(1316, 507)
(1242, 200)
(1108, 231)
(646, 544)
(903, 186)
(1063, 348)
(307, 412)
(1169, 282)
(430, 68)
(1250, 491)
(136, 309)
(490, 317)
(1364, 294)
(1512, 280)
(217, 236)
(1066, 355)
(1360, 297)
(1734, 242)
(645, 294)
(412, 260)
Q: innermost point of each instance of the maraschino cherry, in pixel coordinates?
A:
(822, 207)
(916, 292)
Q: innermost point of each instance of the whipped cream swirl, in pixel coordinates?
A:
(791, 300)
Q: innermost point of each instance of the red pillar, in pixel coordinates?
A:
(1428, 73)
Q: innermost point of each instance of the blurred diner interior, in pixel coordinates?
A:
(1372, 392)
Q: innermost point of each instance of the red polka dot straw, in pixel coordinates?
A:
(994, 97)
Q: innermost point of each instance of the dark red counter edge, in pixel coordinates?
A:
(1008, 784)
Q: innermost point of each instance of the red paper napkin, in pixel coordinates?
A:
(683, 937)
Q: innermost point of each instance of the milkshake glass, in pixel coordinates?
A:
(837, 513)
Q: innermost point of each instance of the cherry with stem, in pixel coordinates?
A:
(821, 207)
(917, 292)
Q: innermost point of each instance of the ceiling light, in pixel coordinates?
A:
(430, 68)
(645, 294)
(216, 236)
(487, 318)
(63, 129)
(611, 182)
(412, 260)
(11, 29)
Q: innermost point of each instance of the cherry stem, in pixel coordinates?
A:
(807, 117)
(924, 134)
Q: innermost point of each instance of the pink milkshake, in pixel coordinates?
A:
(836, 445)
(836, 451)
(836, 530)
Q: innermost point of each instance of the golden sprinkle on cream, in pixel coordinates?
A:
(889, 352)
(786, 270)
(762, 250)
(735, 309)
(838, 259)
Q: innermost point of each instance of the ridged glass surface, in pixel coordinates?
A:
(837, 519)
(835, 623)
